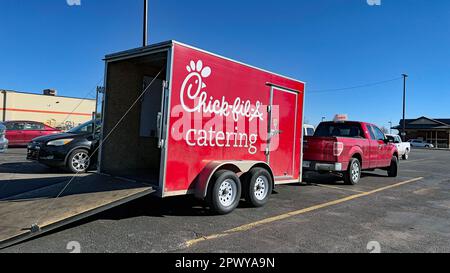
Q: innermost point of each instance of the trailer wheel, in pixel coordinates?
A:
(353, 174)
(78, 161)
(393, 168)
(257, 187)
(224, 192)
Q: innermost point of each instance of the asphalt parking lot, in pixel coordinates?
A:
(410, 213)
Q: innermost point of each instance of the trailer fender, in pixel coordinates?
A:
(239, 167)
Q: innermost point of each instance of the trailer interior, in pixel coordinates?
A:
(133, 151)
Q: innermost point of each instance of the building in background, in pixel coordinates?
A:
(56, 111)
(434, 131)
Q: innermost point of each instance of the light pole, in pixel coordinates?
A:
(404, 107)
(390, 127)
(145, 28)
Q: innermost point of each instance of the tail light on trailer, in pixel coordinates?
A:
(338, 148)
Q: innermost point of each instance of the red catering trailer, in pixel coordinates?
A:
(176, 120)
(187, 121)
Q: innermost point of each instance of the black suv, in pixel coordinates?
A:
(72, 150)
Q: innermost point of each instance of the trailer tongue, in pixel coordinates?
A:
(35, 212)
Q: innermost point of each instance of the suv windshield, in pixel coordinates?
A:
(86, 128)
(352, 130)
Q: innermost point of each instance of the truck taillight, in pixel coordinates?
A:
(338, 148)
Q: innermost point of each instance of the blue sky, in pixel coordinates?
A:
(328, 44)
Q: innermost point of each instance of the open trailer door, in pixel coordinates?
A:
(35, 211)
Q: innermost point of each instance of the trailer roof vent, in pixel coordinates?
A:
(50, 92)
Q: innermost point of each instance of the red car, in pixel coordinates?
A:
(20, 133)
(347, 148)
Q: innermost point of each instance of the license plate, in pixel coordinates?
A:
(306, 164)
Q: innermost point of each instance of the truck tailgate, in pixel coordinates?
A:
(319, 149)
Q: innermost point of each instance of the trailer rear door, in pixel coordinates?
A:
(34, 212)
(284, 104)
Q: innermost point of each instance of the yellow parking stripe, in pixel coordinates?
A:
(249, 226)
(336, 188)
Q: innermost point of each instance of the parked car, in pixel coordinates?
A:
(404, 148)
(347, 148)
(308, 130)
(3, 139)
(420, 143)
(20, 133)
(71, 150)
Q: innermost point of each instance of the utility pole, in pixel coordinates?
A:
(404, 107)
(145, 27)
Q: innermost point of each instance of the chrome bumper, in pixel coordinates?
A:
(322, 167)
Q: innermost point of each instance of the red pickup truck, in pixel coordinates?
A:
(348, 147)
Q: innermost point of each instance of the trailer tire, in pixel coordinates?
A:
(257, 187)
(353, 173)
(78, 161)
(393, 168)
(224, 192)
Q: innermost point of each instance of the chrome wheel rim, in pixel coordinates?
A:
(355, 172)
(80, 161)
(261, 187)
(227, 192)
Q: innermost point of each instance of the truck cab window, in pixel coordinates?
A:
(339, 130)
(392, 139)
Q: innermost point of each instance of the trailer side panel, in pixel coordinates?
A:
(219, 111)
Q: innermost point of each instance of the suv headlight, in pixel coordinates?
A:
(59, 142)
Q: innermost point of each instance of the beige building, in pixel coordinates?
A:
(56, 111)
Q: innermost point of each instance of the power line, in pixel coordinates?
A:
(354, 87)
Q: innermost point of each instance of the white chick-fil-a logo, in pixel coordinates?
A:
(198, 97)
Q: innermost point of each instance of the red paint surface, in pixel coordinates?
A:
(232, 80)
(23, 137)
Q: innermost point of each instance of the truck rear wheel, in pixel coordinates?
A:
(224, 192)
(257, 187)
(353, 173)
(393, 168)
